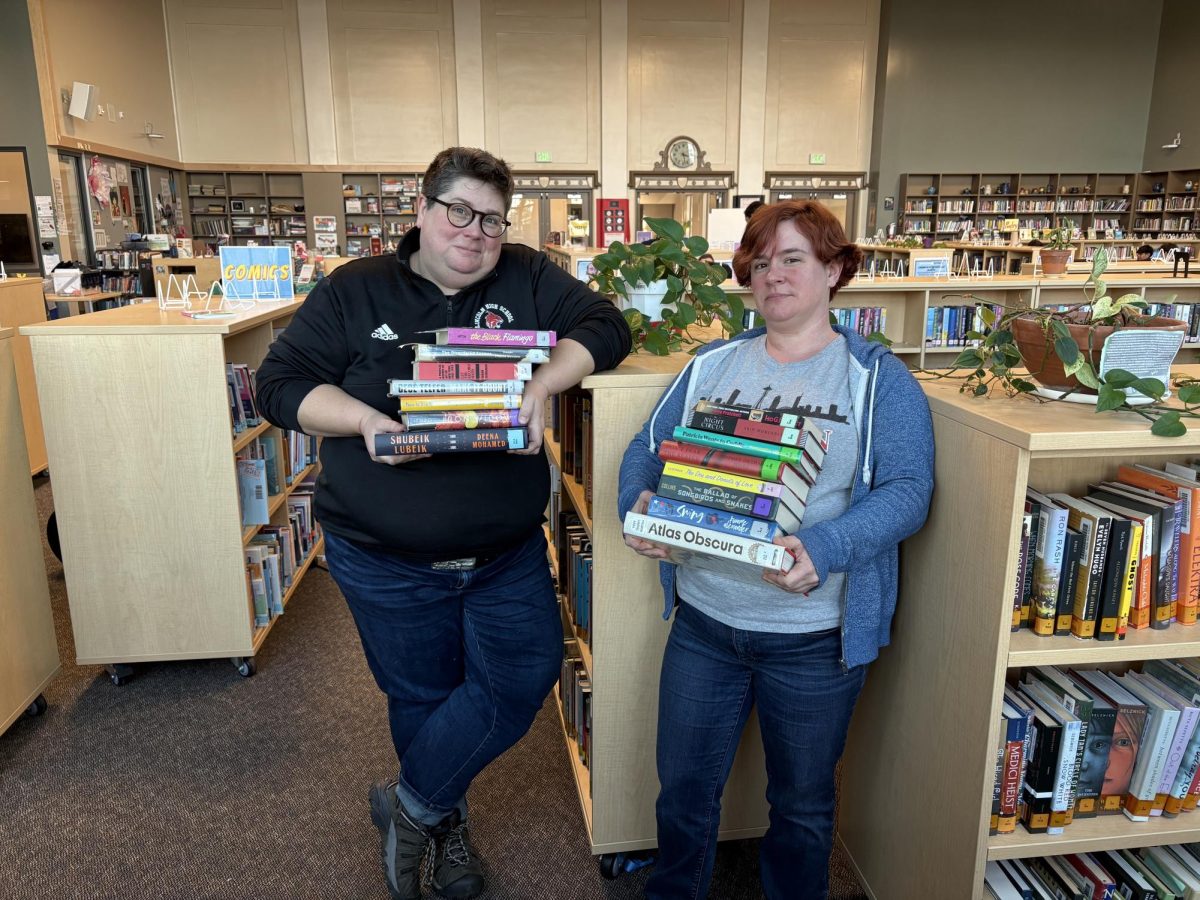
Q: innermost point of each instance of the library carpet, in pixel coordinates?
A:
(190, 781)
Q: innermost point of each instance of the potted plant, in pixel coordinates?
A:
(1055, 353)
(664, 288)
(1057, 251)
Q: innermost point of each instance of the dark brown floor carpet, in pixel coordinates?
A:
(191, 781)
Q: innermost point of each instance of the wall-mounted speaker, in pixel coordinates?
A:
(82, 101)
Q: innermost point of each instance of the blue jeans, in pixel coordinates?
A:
(465, 658)
(712, 675)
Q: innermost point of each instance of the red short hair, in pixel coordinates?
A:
(814, 221)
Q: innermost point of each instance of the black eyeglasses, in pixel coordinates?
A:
(460, 216)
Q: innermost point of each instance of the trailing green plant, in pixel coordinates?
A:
(694, 295)
(1057, 238)
(994, 361)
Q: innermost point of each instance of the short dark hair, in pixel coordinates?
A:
(1145, 248)
(454, 163)
(815, 222)
(752, 207)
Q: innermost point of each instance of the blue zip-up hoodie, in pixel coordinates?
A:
(889, 499)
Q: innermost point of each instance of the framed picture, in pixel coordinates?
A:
(743, 200)
(324, 223)
(237, 206)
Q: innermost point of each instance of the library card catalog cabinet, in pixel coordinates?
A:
(139, 435)
(918, 772)
(28, 648)
(628, 635)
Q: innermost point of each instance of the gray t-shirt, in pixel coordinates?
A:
(817, 388)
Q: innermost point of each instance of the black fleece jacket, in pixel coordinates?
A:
(449, 505)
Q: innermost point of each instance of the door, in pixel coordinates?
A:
(560, 217)
(74, 234)
(840, 203)
(141, 208)
(691, 208)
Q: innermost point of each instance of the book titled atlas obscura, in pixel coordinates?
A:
(493, 337)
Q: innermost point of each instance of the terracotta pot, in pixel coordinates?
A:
(1037, 349)
(1054, 262)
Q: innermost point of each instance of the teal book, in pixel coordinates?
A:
(761, 449)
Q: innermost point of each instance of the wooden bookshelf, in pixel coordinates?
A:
(151, 529)
(926, 727)
(628, 637)
(248, 207)
(28, 646)
(384, 206)
(22, 303)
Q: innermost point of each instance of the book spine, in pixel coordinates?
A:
(767, 416)
(472, 371)
(1068, 579)
(1027, 588)
(437, 353)
(717, 497)
(1112, 580)
(723, 479)
(436, 402)
(407, 443)
(758, 431)
(736, 444)
(713, 519)
(398, 387)
(1014, 748)
(723, 460)
(454, 420)
(496, 337)
(1047, 568)
(759, 554)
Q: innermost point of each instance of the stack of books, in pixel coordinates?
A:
(734, 479)
(466, 391)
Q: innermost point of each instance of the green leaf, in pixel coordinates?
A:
(1150, 387)
(668, 228)
(606, 261)
(674, 255)
(630, 273)
(1189, 394)
(1110, 398)
(634, 319)
(620, 287)
(646, 271)
(675, 285)
(1067, 350)
(1085, 374)
(1060, 328)
(1003, 336)
(638, 250)
(696, 244)
(657, 342)
(1103, 308)
(1119, 378)
(1024, 385)
(710, 294)
(619, 250)
(967, 359)
(878, 337)
(1099, 262)
(1168, 425)
(980, 390)
(686, 313)
(737, 308)
(1100, 288)
(986, 314)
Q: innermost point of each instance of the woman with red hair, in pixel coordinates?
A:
(794, 645)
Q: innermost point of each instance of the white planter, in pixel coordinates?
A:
(647, 299)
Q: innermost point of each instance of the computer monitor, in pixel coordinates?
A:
(16, 241)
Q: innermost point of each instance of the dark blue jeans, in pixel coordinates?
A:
(711, 677)
(465, 659)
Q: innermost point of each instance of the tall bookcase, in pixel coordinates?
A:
(245, 207)
(28, 646)
(139, 436)
(918, 771)
(628, 637)
(378, 205)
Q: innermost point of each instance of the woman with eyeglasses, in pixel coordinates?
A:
(441, 558)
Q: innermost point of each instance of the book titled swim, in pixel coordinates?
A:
(751, 552)
(399, 387)
(493, 337)
(407, 443)
(712, 519)
(458, 419)
(432, 402)
(472, 371)
(435, 353)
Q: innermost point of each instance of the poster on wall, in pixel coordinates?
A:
(126, 206)
(44, 205)
(324, 223)
(122, 173)
(98, 181)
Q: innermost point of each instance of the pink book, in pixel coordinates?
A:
(493, 337)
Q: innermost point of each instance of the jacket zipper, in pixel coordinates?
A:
(449, 312)
(857, 467)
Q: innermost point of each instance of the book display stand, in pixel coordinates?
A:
(28, 646)
(137, 413)
(923, 738)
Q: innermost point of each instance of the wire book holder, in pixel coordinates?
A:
(178, 293)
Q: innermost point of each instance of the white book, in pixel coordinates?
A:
(739, 556)
(440, 353)
(399, 387)
(1161, 722)
(994, 878)
(1048, 554)
(1186, 856)
(1189, 716)
(1171, 864)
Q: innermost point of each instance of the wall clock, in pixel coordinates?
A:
(682, 154)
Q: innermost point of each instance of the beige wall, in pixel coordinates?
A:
(239, 90)
(119, 46)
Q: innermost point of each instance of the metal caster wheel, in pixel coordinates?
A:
(119, 673)
(614, 865)
(245, 665)
(610, 865)
(37, 707)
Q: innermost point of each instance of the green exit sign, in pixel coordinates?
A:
(816, 159)
(541, 156)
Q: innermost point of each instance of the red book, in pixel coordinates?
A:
(721, 460)
(472, 371)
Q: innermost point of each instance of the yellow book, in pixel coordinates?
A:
(722, 479)
(1131, 578)
(435, 402)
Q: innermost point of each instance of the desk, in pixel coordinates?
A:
(87, 298)
(21, 303)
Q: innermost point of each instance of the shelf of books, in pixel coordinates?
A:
(190, 537)
(1038, 705)
(380, 209)
(242, 208)
(614, 633)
